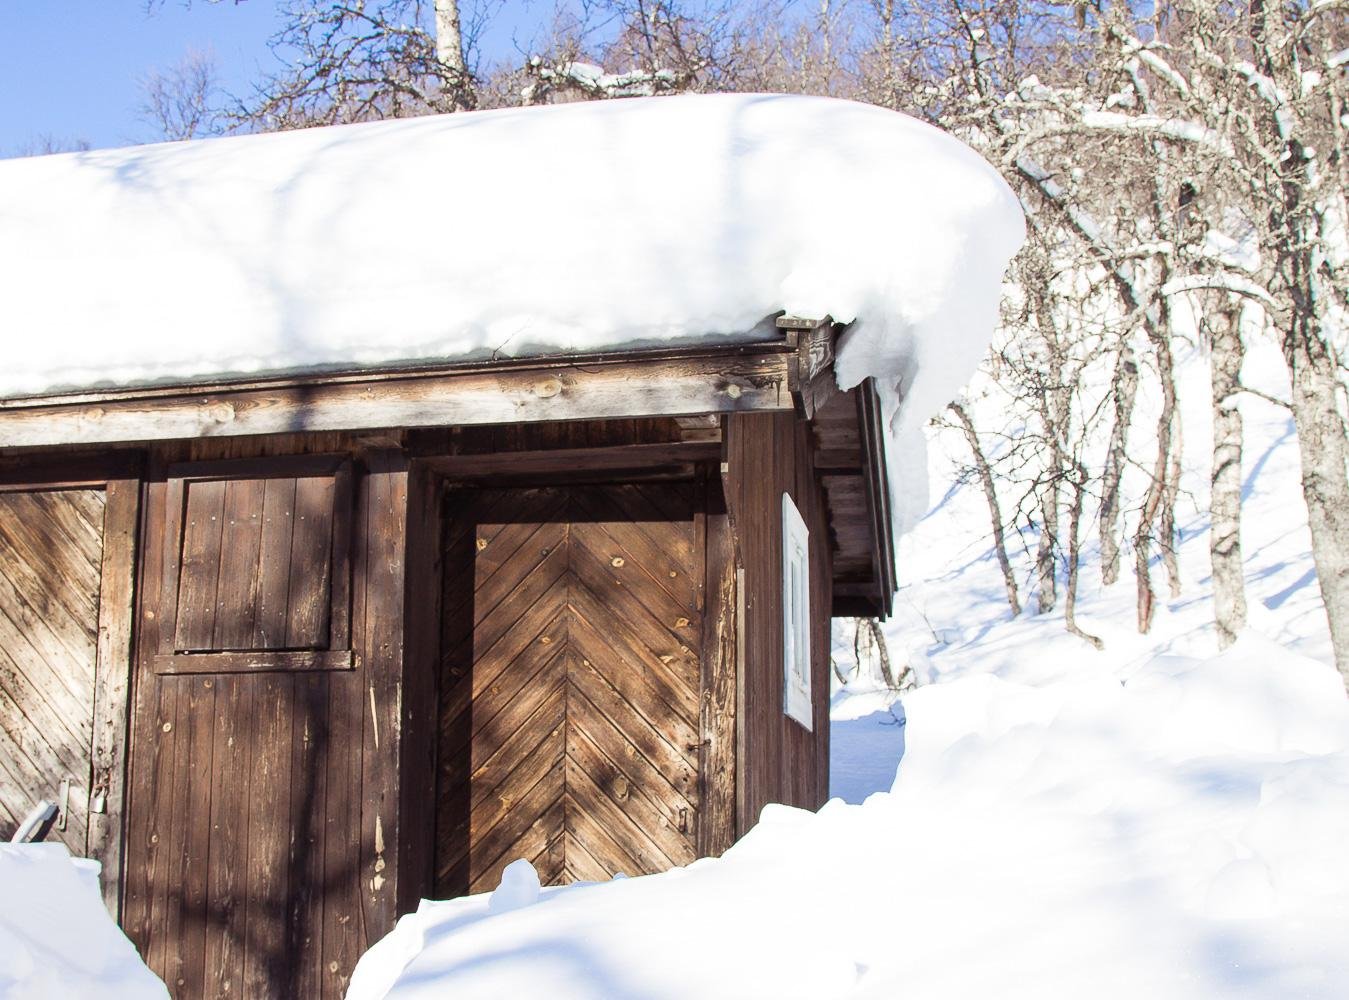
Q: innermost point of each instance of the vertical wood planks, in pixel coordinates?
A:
(237, 587)
(268, 876)
(272, 613)
(716, 769)
(308, 826)
(310, 565)
(767, 455)
(382, 565)
(199, 568)
(421, 650)
(227, 909)
(263, 807)
(258, 561)
(150, 751)
(112, 684)
(198, 721)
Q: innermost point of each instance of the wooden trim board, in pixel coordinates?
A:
(616, 459)
(254, 661)
(637, 384)
(112, 684)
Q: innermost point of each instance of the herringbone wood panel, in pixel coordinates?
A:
(51, 550)
(570, 683)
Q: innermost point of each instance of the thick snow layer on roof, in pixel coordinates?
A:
(568, 228)
(56, 939)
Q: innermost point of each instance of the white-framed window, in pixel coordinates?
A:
(795, 614)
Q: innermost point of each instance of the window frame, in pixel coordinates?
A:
(339, 653)
(797, 703)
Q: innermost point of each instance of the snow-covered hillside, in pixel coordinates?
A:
(1149, 820)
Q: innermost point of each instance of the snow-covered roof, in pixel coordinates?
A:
(570, 228)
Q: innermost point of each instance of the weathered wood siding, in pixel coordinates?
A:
(570, 692)
(778, 759)
(51, 555)
(67, 542)
(264, 835)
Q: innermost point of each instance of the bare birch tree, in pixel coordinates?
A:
(985, 473)
(1258, 97)
(1124, 390)
(1222, 323)
(180, 102)
(362, 61)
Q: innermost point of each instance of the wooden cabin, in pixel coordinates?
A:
(291, 653)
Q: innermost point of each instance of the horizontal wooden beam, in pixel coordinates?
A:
(620, 458)
(68, 471)
(658, 383)
(838, 462)
(257, 662)
(846, 606)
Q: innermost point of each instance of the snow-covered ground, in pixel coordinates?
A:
(56, 939)
(1037, 819)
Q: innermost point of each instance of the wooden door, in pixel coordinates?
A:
(66, 556)
(570, 688)
(245, 825)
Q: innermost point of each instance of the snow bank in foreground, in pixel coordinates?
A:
(1177, 836)
(569, 228)
(56, 939)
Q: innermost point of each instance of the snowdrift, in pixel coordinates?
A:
(1066, 838)
(56, 939)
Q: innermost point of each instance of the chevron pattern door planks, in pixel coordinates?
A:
(570, 683)
(51, 552)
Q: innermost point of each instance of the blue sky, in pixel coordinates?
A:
(69, 68)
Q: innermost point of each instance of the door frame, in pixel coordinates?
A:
(720, 694)
(119, 476)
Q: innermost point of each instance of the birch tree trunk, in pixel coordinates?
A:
(985, 473)
(1324, 451)
(1226, 352)
(1301, 191)
(1079, 486)
(869, 641)
(1160, 485)
(1125, 391)
(1166, 521)
(450, 51)
(1044, 552)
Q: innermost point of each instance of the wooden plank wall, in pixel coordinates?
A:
(94, 509)
(421, 651)
(767, 455)
(264, 844)
(51, 554)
